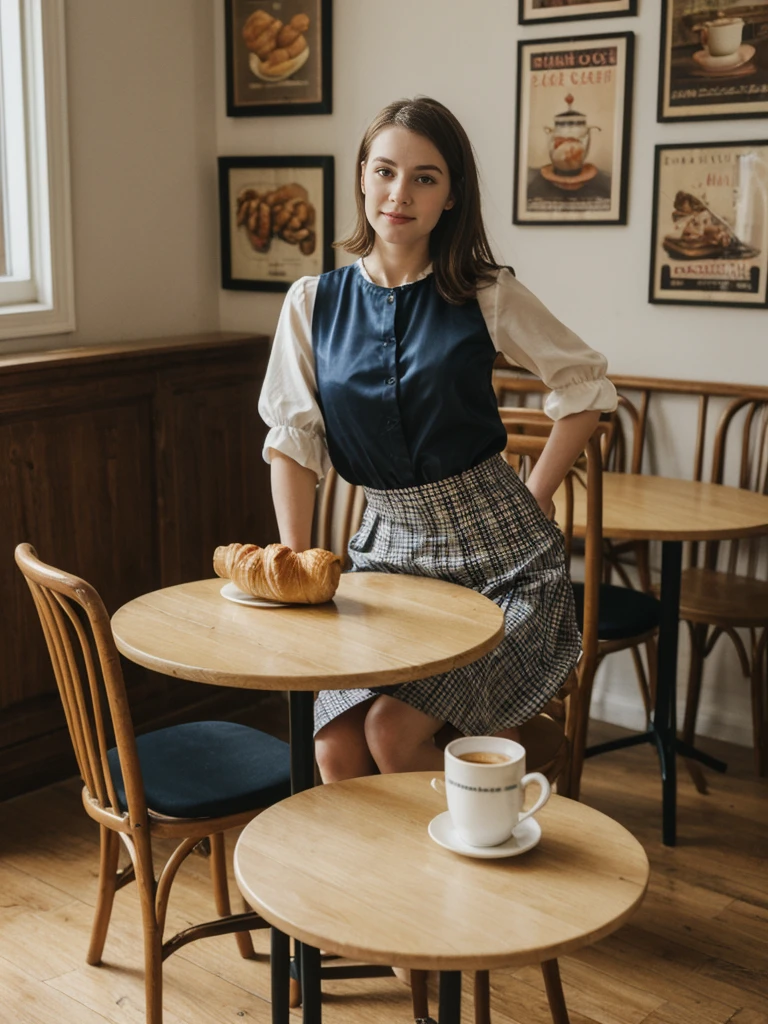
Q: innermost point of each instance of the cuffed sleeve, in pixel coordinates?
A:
(523, 329)
(288, 402)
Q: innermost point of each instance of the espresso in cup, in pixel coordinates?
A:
(483, 757)
(485, 783)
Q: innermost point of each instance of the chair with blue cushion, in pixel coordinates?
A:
(189, 783)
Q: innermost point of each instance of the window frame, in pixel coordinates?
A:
(49, 309)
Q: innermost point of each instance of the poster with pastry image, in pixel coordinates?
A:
(574, 107)
(276, 216)
(278, 57)
(710, 224)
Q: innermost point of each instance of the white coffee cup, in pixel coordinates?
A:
(485, 796)
(722, 37)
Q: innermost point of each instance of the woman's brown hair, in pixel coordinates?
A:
(458, 246)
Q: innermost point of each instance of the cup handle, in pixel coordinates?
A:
(544, 795)
(439, 786)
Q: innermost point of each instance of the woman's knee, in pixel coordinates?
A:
(393, 730)
(341, 750)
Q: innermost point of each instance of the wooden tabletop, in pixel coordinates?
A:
(349, 868)
(379, 630)
(660, 508)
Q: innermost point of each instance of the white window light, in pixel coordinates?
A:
(36, 281)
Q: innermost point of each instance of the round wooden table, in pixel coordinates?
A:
(349, 868)
(379, 630)
(672, 511)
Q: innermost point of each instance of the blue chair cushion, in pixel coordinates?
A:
(623, 612)
(208, 769)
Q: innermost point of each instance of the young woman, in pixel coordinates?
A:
(383, 369)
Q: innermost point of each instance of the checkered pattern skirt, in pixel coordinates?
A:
(484, 530)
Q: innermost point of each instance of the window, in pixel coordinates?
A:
(36, 286)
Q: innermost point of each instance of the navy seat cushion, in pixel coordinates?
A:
(622, 613)
(208, 769)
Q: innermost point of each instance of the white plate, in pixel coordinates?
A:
(230, 591)
(524, 838)
(297, 62)
(705, 59)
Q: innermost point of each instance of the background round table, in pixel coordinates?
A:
(639, 507)
(349, 868)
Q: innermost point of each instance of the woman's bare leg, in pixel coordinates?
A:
(513, 733)
(400, 738)
(341, 749)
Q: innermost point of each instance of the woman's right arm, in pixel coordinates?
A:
(293, 495)
(295, 443)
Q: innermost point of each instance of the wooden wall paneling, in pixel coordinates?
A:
(125, 464)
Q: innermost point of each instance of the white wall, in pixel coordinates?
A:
(593, 278)
(142, 153)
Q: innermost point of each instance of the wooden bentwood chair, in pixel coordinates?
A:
(628, 612)
(187, 782)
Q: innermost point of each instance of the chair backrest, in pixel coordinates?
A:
(86, 664)
(740, 439)
(527, 433)
(338, 514)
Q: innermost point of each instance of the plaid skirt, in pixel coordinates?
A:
(484, 530)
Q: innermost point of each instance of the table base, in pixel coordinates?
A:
(662, 730)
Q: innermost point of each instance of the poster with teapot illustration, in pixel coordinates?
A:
(709, 244)
(714, 60)
(574, 108)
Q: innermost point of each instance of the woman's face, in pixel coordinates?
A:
(407, 186)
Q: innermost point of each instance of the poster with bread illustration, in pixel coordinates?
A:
(714, 59)
(573, 130)
(276, 220)
(710, 224)
(278, 57)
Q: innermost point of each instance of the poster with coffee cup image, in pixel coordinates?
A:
(714, 60)
(709, 243)
(574, 108)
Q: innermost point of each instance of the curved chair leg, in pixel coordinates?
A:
(153, 939)
(759, 685)
(554, 987)
(698, 635)
(109, 853)
(419, 995)
(482, 997)
(221, 892)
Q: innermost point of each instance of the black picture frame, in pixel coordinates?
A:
(587, 9)
(598, 193)
(303, 84)
(268, 209)
(689, 81)
(697, 258)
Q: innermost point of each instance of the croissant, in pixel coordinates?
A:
(279, 574)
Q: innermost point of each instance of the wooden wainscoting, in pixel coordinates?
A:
(125, 464)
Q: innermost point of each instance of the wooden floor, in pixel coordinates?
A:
(696, 953)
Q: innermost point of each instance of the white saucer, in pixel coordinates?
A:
(525, 837)
(230, 591)
(740, 56)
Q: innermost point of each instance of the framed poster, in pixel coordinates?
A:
(278, 57)
(714, 60)
(709, 244)
(534, 11)
(574, 108)
(276, 220)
